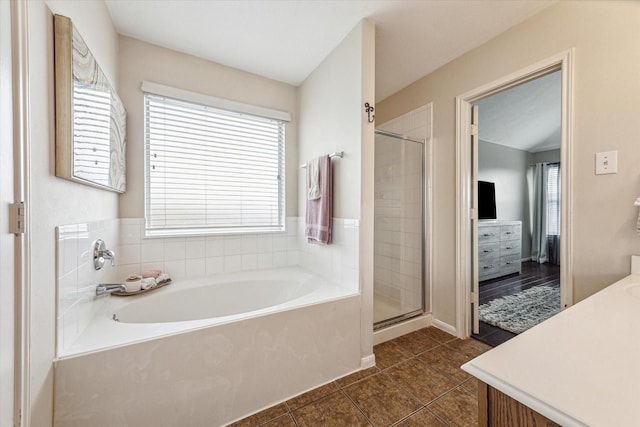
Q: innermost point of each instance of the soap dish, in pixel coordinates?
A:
(141, 291)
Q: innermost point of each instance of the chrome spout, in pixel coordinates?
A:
(107, 288)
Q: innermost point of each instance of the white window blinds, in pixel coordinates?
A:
(211, 170)
(553, 199)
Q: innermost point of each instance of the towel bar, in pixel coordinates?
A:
(336, 154)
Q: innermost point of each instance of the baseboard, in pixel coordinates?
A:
(368, 361)
(445, 327)
(408, 326)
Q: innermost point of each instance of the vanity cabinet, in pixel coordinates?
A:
(553, 374)
(496, 409)
(499, 248)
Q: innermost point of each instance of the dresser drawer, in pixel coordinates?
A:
(488, 268)
(499, 248)
(510, 232)
(510, 264)
(510, 248)
(488, 251)
(488, 234)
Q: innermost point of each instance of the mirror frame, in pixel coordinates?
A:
(68, 44)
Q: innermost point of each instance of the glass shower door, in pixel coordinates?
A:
(398, 229)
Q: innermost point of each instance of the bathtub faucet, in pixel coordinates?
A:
(100, 253)
(108, 288)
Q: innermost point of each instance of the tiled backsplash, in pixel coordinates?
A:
(203, 256)
(186, 257)
(77, 278)
(338, 262)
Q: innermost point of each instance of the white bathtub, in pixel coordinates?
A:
(209, 351)
(197, 303)
(200, 301)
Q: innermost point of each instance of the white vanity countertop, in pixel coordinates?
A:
(581, 367)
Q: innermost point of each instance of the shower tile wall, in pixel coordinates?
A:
(77, 278)
(398, 227)
(185, 257)
(337, 262)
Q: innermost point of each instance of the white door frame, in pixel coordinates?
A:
(22, 253)
(563, 62)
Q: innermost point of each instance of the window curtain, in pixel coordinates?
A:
(545, 217)
(539, 249)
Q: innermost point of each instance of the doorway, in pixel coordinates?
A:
(518, 164)
(468, 215)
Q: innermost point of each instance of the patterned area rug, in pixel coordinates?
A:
(518, 312)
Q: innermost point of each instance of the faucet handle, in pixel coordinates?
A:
(100, 253)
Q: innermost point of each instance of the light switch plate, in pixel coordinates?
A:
(606, 162)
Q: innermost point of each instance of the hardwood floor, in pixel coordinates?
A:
(533, 274)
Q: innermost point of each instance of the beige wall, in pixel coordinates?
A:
(143, 61)
(605, 36)
(507, 168)
(549, 156)
(54, 201)
(330, 102)
(329, 105)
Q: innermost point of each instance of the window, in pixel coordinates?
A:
(210, 169)
(553, 199)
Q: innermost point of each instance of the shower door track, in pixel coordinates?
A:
(398, 319)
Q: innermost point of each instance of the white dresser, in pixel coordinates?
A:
(499, 248)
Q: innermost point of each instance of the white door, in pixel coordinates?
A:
(475, 291)
(7, 313)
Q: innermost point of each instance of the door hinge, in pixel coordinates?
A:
(475, 298)
(474, 130)
(474, 214)
(17, 218)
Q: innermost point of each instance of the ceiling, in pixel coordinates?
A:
(526, 117)
(286, 40)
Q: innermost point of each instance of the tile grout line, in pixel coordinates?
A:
(344, 393)
(408, 416)
(290, 412)
(424, 405)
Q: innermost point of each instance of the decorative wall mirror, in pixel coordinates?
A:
(90, 118)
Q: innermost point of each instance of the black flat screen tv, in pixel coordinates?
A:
(486, 200)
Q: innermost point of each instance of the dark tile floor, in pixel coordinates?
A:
(493, 335)
(416, 382)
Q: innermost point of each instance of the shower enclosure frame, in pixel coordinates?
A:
(423, 241)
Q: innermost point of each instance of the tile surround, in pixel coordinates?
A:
(77, 279)
(186, 257)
